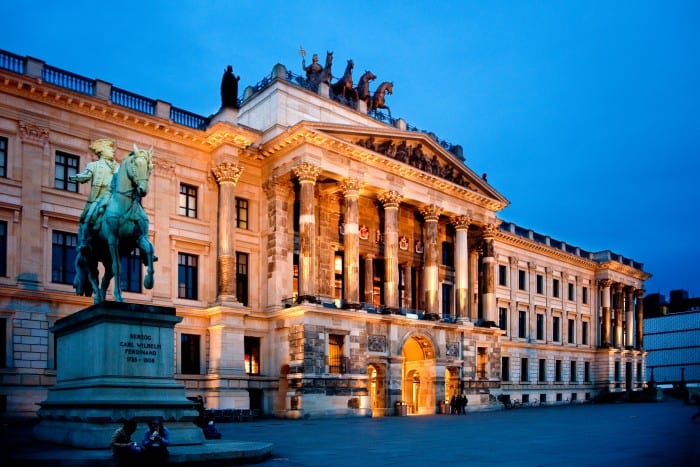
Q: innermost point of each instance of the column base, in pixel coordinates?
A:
(307, 299)
(352, 306)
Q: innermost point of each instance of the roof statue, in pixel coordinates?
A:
(315, 73)
(114, 222)
(229, 89)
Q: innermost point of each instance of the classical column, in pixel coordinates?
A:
(489, 263)
(639, 310)
(605, 306)
(407, 285)
(351, 270)
(226, 175)
(431, 214)
(307, 174)
(391, 200)
(279, 266)
(617, 305)
(474, 284)
(369, 279)
(629, 318)
(461, 224)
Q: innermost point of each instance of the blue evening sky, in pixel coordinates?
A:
(584, 114)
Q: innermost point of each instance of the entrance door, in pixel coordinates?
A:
(418, 385)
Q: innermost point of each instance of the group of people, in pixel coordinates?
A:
(153, 446)
(458, 404)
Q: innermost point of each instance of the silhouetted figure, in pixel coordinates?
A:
(229, 89)
(156, 441)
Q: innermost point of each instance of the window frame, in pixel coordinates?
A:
(242, 277)
(65, 165)
(187, 276)
(503, 275)
(4, 238)
(252, 362)
(242, 213)
(193, 364)
(188, 200)
(4, 151)
(65, 251)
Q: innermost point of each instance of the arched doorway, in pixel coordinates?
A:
(419, 375)
(376, 389)
(452, 387)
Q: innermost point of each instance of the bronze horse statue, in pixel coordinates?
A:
(122, 227)
(343, 87)
(377, 100)
(362, 89)
(326, 76)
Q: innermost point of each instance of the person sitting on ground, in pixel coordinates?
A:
(123, 448)
(210, 431)
(156, 440)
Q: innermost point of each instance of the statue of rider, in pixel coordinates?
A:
(313, 71)
(100, 173)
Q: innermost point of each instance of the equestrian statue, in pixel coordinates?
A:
(343, 87)
(376, 102)
(113, 222)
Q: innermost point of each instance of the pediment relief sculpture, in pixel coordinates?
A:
(416, 156)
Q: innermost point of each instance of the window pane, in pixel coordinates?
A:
(189, 352)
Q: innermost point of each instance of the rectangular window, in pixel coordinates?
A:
(522, 324)
(3, 342)
(3, 249)
(572, 372)
(3, 157)
(481, 362)
(503, 318)
(502, 274)
(557, 370)
(540, 284)
(63, 252)
(66, 166)
(446, 300)
(523, 370)
(639, 371)
(618, 373)
(189, 353)
(555, 288)
(251, 347)
(542, 373)
(336, 354)
(188, 200)
(339, 278)
(131, 272)
(522, 280)
(448, 255)
(584, 295)
(540, 326)
(572, 331)
(187, 274)
(505, 369)
(584, 333)
(242, 277)
(555, 328)
(587, 372)
(242, 213)
(572, 292)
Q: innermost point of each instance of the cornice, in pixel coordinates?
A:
(545, 250)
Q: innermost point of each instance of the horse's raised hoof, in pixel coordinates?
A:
(148, 282)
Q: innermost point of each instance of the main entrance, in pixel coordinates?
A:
(418, 375)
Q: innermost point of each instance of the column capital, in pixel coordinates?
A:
(606, 283)
(227, 172)
(351, 186)
(307, 172)
(461, 222)
(31, 133)
(619, 286)
(431, 212)
(489, 231)
(639, 293)
(390, 199)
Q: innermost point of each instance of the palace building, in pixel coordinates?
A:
(326, 258)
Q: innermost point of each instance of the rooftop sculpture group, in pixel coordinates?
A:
(343, 90)
(113, 222)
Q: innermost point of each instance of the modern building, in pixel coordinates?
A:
(672, 338)
(325, 259)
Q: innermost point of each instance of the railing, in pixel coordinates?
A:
(11, 62)
(68, 80)
(133, 101)
(188, 119)
(337, 365)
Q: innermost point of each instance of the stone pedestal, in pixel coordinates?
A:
(115, 362)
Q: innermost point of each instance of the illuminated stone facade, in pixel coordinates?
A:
(323, 262)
